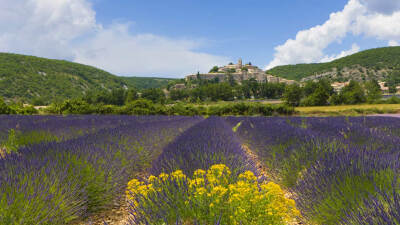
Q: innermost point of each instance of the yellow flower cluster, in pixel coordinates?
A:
(215, 193)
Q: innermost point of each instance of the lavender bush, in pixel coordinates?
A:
(207, 143)
(59, 181)
(332, 164)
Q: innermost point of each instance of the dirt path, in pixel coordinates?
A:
(118, 215)
(388, 115)
(263, 173)
(261, 169)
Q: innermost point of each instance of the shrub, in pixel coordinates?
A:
(23, 110)
(17, 139)
(143, 107)
(185, 110)
(74, 106)
(247, 109)
(393, 100)
(292, 95)
(4, 109)
(210, 197)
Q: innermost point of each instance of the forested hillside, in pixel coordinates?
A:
(27, 78)
(146, 82)
(373, 63)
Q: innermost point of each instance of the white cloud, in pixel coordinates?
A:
(354, 49)
(372, 18)
(382, 6)
(44, 27)
(67, 29)
(393, 43)
(116, 50)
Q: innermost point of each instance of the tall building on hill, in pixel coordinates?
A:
(239, 73)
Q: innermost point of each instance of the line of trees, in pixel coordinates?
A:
(147, 107)
(321, 93)
(213, 90)
(16, 108)
(155, 101)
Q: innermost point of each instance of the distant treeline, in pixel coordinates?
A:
(198, 98)
(147, 107)
(311, 93)
(16, 108)
(213, 90)
(321, 93)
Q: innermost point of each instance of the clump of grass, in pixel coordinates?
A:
(17, 139)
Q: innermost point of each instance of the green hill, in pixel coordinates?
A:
(373, 63)
(146, 82)
(27, 77)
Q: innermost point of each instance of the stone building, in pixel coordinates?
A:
(179, 86)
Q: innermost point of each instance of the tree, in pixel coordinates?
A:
(392, 81)
(318, 98)
(117, 97)
(310, 87)
(178, 94)
(154, 94)
(392, 89)
(292, 95)
(336, 99)
(353, 93)
(215, 80)
(214, 69)
(317, 93)
(231, 80)
(373, 91)
(225, 92)
(4, 109)
(38, 101)
(131, 95)
(76, 106)
(251, 88)
(271, 90)
(245, 90)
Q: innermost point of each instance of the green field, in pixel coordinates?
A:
(350, 109)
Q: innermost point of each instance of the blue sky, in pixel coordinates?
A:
(178, 37)
(248, 29)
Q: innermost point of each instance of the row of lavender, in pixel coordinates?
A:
(205, 144)
(82, 171)
(341, 170)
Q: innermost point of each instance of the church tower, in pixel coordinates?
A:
(240, 64)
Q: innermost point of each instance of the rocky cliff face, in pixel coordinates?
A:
(358, 73)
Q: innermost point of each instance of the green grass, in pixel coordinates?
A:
(350, 110)
(18, 139)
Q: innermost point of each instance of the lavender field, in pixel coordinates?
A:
(73, 169)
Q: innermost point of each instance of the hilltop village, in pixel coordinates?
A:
(239, 73)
